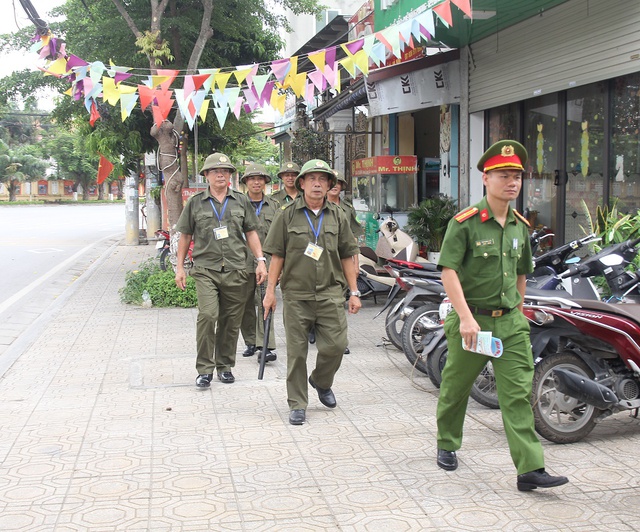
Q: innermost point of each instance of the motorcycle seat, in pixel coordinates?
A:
(627, 310)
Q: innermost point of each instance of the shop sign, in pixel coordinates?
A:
(429, 87)
(384, 164)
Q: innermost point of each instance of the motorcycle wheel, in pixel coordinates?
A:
(421, 322)
(165, 263)
(484, 389)
(435, 364)
(560, 418)
(393, 324)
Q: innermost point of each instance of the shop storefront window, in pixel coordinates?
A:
(584, 156)
(504, 123)
(541, 137)
(624, 166)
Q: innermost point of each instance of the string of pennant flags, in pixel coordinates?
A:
(242, 88)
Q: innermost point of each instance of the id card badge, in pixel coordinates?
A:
(313, 250)
(221, 232)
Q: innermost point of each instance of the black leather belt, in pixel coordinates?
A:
(489, 312)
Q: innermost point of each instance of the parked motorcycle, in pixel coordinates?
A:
(544, 282)
(588, 352)
(167, 247)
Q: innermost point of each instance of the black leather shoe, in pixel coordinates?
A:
(312, 336)
(326, 396)
(204, 380)
(271, 355)
(249, 351)
(226, 377)
(297, 417)
(447, 460)
(346, 351)
(539, 479)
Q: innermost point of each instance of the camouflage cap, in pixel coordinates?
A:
(316, 165)
(508, 154)
(217, 160)
(255, 169)
(289, 167)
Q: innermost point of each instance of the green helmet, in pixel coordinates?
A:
(255, 169)
(341, 180)
(316, 165)
(289, 167)
(217, 160)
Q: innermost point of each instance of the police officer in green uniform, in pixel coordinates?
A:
(287, 174)
(218, 219)
(255, 179)
(311, 243)
(484, 261)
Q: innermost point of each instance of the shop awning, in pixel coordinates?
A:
(350, 97)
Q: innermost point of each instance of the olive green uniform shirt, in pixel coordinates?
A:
(266, 214)
(350, 211)
(199, 219)
(283, 197)
(486, 256)
(304, 278)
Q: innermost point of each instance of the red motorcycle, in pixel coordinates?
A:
(167, 246)
(587, 352)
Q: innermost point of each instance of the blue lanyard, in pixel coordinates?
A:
(224, 208)
(258, 207)
(316, 232)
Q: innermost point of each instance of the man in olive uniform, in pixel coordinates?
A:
(287, 174)
(255, 178)
(311, 243)
(218, 219)
(334, 196)
(484, 261)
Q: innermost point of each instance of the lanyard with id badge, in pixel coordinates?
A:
(313, 249)
(220, 232)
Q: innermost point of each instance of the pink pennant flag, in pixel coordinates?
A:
(172, 74)
(318, 80)
(464, 6)
(238, 107)
(444, 12)
(280, 68)
(189, 86)
(354, 46)
(309, 94)
(251, 100)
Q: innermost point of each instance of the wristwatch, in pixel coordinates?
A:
(262, 259)
(355, 293)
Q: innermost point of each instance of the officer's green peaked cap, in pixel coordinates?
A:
(508, 154)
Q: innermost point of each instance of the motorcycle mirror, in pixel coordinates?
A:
(612, 260)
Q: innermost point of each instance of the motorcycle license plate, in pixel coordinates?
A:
(159, 244)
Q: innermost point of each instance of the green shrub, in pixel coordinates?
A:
(160, 285)
(164, 292)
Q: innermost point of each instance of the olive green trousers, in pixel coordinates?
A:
(328, 318)
(252, 327)
(513, 372)
(221, 299)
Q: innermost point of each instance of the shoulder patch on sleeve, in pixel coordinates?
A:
(466, 214)
(521, 218)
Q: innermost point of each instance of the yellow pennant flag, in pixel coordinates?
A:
(157, 80)
(278, 100)
(203, 109)
(221, 79)
(110, 92)
(318, 59)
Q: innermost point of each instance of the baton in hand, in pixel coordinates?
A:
(263, 358)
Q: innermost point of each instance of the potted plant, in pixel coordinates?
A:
(427, 222)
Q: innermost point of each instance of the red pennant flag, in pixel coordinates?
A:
(94, 114)
(444, 12)
(104, 169)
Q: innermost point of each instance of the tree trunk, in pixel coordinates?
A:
(168, 163)
(100, 192)
(12, 186)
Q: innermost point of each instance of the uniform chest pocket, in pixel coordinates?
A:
(298, 237)
(486, 261)
(331, 231)
(205, 222)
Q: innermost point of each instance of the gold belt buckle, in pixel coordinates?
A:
(496, 313)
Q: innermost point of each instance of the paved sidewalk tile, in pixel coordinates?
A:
(103, 429)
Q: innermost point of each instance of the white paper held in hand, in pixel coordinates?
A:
(486, 344)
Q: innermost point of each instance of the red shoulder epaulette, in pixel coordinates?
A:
(521, 218)
(466, 214)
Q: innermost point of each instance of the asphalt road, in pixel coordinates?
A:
(39, 241)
